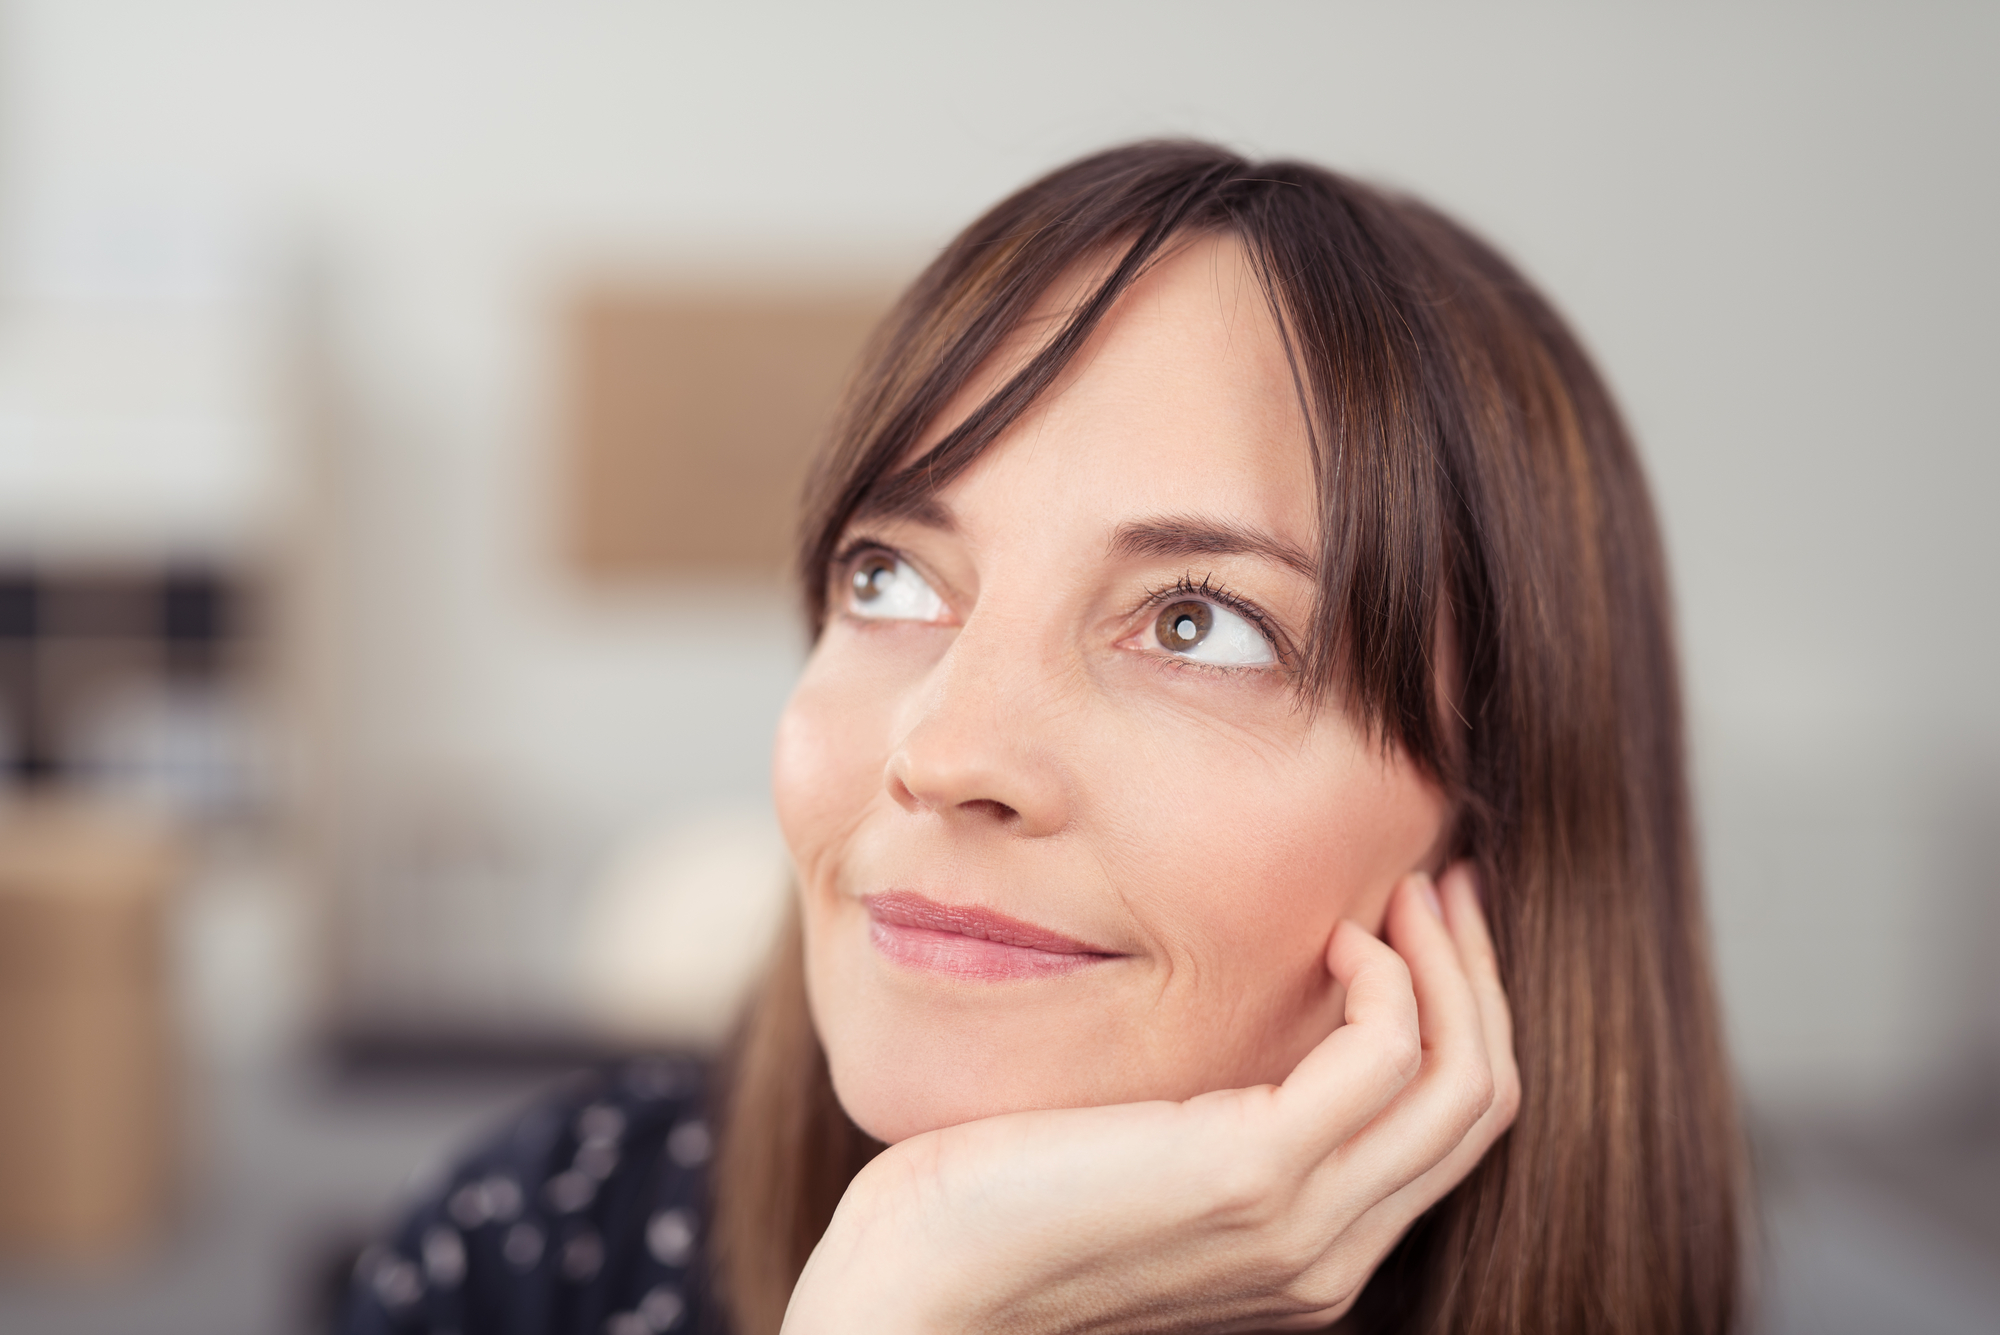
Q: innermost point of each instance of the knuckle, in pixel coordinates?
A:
(1294, 1254)
(1403, 1049)
(1507, 1095)
(1323, 1289)
(1251, 1192)
(1476, 1093)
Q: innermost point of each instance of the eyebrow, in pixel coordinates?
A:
(916, 508)
(1180, 536)
(1172, 535)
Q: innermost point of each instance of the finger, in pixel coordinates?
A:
(1358, 1069)
(1464, 915)
(1455, 1086)
(1447, 1008)
(1466, 919)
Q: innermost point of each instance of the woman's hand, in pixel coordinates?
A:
(1244, 1209)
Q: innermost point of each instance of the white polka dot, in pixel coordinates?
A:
(582, 1256)
(468, 1206)
(522, 1246)
(597, 1159)
(670, 1237)
(444, 1257)
(690, 1144)
(600, 1124)
(396, 1281)
(570, 1191)
(503, 1197)
(662, 1308)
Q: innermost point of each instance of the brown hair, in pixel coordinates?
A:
(1472, 466)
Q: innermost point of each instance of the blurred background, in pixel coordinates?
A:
(400, 407)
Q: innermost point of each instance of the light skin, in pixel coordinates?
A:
(1066, 695)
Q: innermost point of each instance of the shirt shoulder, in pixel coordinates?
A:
(587, 1213)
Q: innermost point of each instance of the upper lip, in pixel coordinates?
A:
(906, 908)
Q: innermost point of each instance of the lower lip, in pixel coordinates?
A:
(972, 958)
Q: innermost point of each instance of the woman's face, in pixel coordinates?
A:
(1065, 832)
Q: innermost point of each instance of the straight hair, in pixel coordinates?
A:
(1473, 476)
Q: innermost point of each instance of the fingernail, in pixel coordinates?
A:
(1431, 896)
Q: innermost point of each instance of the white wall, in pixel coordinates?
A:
(1773, 223)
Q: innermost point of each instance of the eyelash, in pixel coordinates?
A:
(843, 564)
(1184, 587)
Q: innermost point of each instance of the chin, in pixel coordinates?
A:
(902, 1082)
(892, 1109)
(901, 1075)
(898, 1081)
(891, 1113)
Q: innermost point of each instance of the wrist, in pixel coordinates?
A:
(868, 1276)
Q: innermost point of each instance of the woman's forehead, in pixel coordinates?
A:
(1182, 403)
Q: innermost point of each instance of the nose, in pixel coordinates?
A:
(984, 743)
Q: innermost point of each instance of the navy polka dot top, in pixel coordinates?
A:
(587, 1217)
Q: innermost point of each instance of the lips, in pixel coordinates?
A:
(969, 942)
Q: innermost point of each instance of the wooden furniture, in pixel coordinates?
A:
(85, 1125)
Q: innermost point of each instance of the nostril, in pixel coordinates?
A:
(986, 806)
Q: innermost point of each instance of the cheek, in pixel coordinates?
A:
(1247, 869)
(826, 764)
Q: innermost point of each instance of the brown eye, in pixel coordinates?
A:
(1183, 625)
(872, 576)
(883, 587)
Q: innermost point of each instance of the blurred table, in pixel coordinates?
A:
(85, 1088)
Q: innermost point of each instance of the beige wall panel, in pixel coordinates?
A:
(692, 420)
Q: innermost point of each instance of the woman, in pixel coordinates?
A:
(1232, 589)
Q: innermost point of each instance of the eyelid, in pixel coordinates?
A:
(853, 549)
(857, 548)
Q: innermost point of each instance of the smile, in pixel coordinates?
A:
(969, 942)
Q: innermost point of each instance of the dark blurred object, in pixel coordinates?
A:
(362, 1057)
(693, 416)
(74, 639)
(84, 1062)
(329, 1282)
